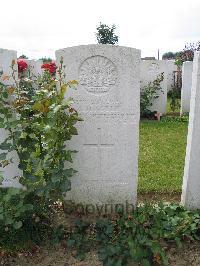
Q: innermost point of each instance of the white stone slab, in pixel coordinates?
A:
(149, 71)
(6, 57)
(34, 67)
(107, 99)
(191, 179)
(11, 171)
(170, 68)
(186, 86)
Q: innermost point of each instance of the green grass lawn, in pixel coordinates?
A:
(162, 155)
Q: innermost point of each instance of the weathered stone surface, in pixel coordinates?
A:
(11, 171)
(191, 179)
(107, 99)
(186, 86)
(149, 71)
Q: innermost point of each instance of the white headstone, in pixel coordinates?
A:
(107, 99)
(170, 68)
(186, 86)
(149, 71)
(11, 171)
(34, 67)
(6, 58)
(191, 180)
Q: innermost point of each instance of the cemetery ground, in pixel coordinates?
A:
(38, 227)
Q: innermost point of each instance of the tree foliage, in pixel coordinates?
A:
(23, 56)
(106, 34)
(187, 54)
(170, 55)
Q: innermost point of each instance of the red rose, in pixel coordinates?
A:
(22, 65)
(51, 67)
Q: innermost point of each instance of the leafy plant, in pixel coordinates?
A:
(106, 34)
(141, 236)
(46, 60)
(174, 96)
(39, 121)
(80, 238)
(149, 93)
(169, 56)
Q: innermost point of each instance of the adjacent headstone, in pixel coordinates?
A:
(149, 71)
(191, 179)
(107, 99)
(6, 60)
(34, 68)
(186, 86)
(11, 171)
(170, 69)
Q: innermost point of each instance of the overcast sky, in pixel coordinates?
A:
(37, 28)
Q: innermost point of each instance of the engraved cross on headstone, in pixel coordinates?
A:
(99, 145)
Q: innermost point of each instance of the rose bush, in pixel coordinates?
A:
(51, 67)
(39, 120)
(22, 65)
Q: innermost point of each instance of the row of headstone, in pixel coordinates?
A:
(107, 99)
(149, 71)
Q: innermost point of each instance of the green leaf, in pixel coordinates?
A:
(57, 108)
(66, 186)
(69, 172)
(17, 225)
(5, 145)
(145, 262)
(56, 177)
(68, 157)
(5, 94)
(3, 156)
(11, 192)
(73, 131)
